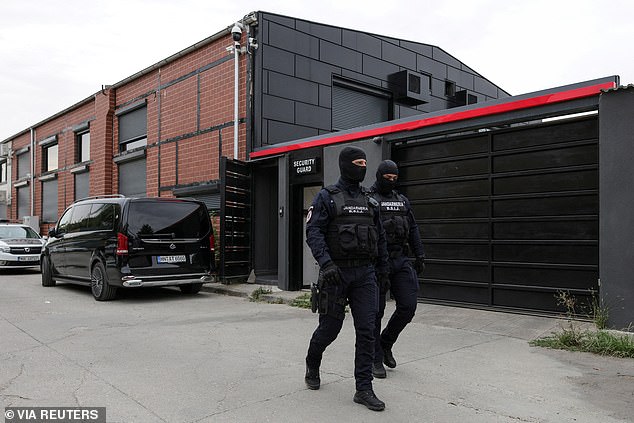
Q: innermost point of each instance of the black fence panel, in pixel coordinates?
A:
(235, 220)
(509, 216)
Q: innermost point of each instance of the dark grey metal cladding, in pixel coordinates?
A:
(616, 154)
(297, 60)
(340, 56)
(395, 54)
(461, 78)
(280, 131)
(424, 49)
(362, 42)
(324, 32)
(313, 116)
(278, 108)
(377, 68)
(294, 41)
(293, 88)
(278, 60)
(314, 70)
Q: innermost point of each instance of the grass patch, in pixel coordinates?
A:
(303, 301)
(598, 342)
(263, 295)
(258, 294)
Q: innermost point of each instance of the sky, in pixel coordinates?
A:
(54, 54)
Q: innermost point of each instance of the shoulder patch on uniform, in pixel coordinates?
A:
(309, 214)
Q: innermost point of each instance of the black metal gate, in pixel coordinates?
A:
(235, 219)
(509, 217)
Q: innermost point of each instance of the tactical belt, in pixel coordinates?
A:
(353, 263)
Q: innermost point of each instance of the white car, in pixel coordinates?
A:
(20, 246)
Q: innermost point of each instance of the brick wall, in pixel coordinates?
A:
(63, 127)
(189, 125)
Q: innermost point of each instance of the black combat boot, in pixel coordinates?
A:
(378, 371)
(388, 358)
(312, 377)
(370, 400)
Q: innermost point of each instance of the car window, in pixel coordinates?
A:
(79, 218)
(102, 217)
(8, 232)
(177, 219)
(62, 226)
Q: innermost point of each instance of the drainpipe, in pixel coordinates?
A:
(236, 33)
(32, 172)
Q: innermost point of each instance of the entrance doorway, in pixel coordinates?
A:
(310, 268)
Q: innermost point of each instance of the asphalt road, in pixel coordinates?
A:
(156, 355)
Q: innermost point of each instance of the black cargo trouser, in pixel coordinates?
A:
(404, 289)
(358, 287)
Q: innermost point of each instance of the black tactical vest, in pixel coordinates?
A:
(352, 235)
(394, 219)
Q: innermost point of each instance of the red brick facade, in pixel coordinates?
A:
(189, 112)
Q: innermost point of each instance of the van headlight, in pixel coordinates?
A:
(5, 249)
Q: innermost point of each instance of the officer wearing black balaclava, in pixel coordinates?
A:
(345, 235)
(403, 239)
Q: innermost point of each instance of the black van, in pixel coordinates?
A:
(113, 241)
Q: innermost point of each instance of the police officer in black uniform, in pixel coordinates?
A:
(402, 236)
(344, 232)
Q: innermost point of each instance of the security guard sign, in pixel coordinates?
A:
(307, 166)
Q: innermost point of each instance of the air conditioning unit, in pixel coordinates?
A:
(5, 150)
(464, 98)
(410, 88)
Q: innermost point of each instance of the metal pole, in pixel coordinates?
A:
(236, 51)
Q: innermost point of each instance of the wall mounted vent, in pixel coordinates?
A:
(464, 98)
(409, 87)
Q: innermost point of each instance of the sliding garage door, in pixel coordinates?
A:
(509, 217)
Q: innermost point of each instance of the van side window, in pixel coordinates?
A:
(79, 220)
(62, 226)
(101, 217)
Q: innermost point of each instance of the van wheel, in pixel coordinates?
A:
(47, 272)
(101, 289)
(192, 288)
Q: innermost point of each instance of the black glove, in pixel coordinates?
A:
(383, 281)
(330, 273)
(419, 265)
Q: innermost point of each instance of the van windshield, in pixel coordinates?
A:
(170, 219)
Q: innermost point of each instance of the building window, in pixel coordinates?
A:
(82, 148)
(49, 201)
(24, 203)
(49, 157)
(82, 185)
(356, 105)
(3, 172)
(24, 165)
(133, 129)
(132, 178)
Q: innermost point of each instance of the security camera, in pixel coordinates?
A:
(236, 33)
(253, 43)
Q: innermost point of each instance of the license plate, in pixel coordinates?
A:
(29, 258)
(171, 259)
